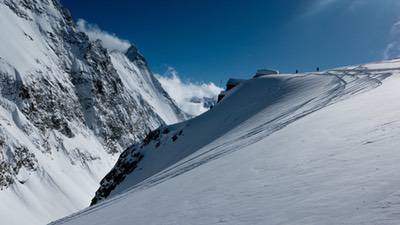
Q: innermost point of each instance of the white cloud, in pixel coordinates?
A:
(393, 48)
(189, 96)
(108, 40)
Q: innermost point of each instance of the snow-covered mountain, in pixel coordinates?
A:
(68, 107)
(318, 148)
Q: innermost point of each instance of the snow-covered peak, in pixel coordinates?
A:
(139, 80)
(68, 107)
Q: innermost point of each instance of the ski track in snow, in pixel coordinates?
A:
(345, 83)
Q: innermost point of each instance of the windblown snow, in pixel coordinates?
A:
(108, 40)
(318, 148)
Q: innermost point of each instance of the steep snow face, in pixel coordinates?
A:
(136, 77)
(67, 110)
(285, 149)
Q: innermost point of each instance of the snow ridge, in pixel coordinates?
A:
(285, 149)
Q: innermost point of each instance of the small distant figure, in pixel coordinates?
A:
(317, 69)
(297, 71)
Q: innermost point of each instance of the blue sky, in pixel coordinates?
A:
(211, 40)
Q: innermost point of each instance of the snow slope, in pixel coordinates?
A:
(287, 149)
(67, 109)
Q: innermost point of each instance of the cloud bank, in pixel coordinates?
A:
(108, 40)
(192, 98)
(393, 48)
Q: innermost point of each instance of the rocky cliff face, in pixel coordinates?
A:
(68, 107)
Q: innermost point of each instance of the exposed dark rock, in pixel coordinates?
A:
(124, 166)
